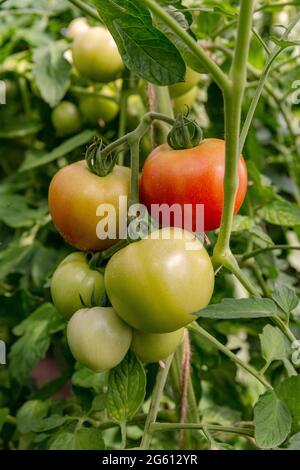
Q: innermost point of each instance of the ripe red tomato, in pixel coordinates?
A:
(193, 176)
(75, 193)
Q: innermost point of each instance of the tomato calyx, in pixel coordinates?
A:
(185, 133)
(98, 162)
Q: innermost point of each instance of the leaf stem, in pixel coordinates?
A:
(259, 251)
(204, 334)
(161, 379)
(86, 8)
(158, 427)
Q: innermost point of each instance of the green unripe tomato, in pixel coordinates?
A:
(66, 118)
(151, 347)
(96, 55)
(157, 283)
(75, 285)
(191, 79)
(95, 109)
(183, 103)
(77, 27)
(98, 338)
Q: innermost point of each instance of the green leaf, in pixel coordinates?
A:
(66, 147)
(14, 258)
(190, 59)
(285, 298)
(284, 43)
(15, 212)
(31, 414)
(272, 421)
(273, 344)
(4, 412)
(239, 308)
(47, 424)
(126, 389)
(20, 128)
(289, 392)
(34, 343)
(294, 442)
(282, 213)
(145, 50)
(51, 71)
(82, 439)
(89, 439)
(85, 378)
(63, 441)
(242, 223)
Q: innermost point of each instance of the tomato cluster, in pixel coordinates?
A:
(148, 291)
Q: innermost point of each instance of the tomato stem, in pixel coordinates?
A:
(86, 8)
(160, 382)
(158, 427)
(204, 334)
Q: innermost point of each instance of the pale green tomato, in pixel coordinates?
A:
(66, 118)
(77, 27)
(75, 285)
(191, 79)
(96, 56)
(151, 347)
(98, 338)
(95, 109)
(183, 103)
(156, 284)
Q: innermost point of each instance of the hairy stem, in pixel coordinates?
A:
(204, 334)
(161, 379)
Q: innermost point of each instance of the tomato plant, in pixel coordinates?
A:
(98, 338)
(75, 285)
(170, 268)
(74, 197)
(193, 176)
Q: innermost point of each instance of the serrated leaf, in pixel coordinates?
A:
(144, 49)
(15, 212)
(31, 414)
(285, 297)
(66, 147)
(281, 213)
(35, 332)
(272, 421)
(239, 308)
(273, 344)
(289, 392)
(52, 72)
(126, 389)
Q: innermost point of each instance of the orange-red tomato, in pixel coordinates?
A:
(193, 176)
(75, 193)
